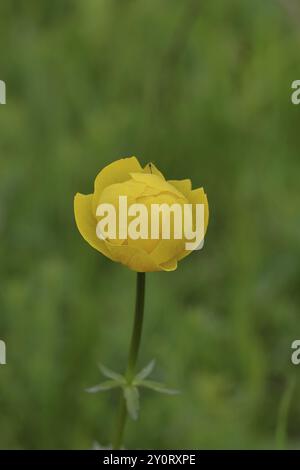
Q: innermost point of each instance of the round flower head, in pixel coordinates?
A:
(146, 188)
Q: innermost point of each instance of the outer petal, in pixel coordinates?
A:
(86, 222)
(132, 257)
(141, 263)
(197, 196)
(156, 182)
(116, 172)
(151, 168)
(167, 250)
(169, 265)
(184, 186)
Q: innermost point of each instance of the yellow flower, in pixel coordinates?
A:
(126, 177)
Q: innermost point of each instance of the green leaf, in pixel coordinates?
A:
(131, 395)
(97, 446)
(107, 385)
(111, 374)
(158, 387)
(145, 372)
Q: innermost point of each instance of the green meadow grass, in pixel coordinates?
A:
(202, 89)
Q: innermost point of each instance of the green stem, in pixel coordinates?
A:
(133, 355)
(284, 407)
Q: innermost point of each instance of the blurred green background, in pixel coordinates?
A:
(202, 89)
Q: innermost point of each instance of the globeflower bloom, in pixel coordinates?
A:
(128, 199)
(147, 186)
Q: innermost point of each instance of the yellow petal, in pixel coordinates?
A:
(155, 182)
(197, 196)
(111, 194)
(86, 222)
(166, 250)
(131, 189)
(184, 186)
(151, 168)
(169, 265)
(116, 172)
(132, 257)
(146, 245)
(141, 263)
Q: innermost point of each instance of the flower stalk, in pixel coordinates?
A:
(132, 357)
